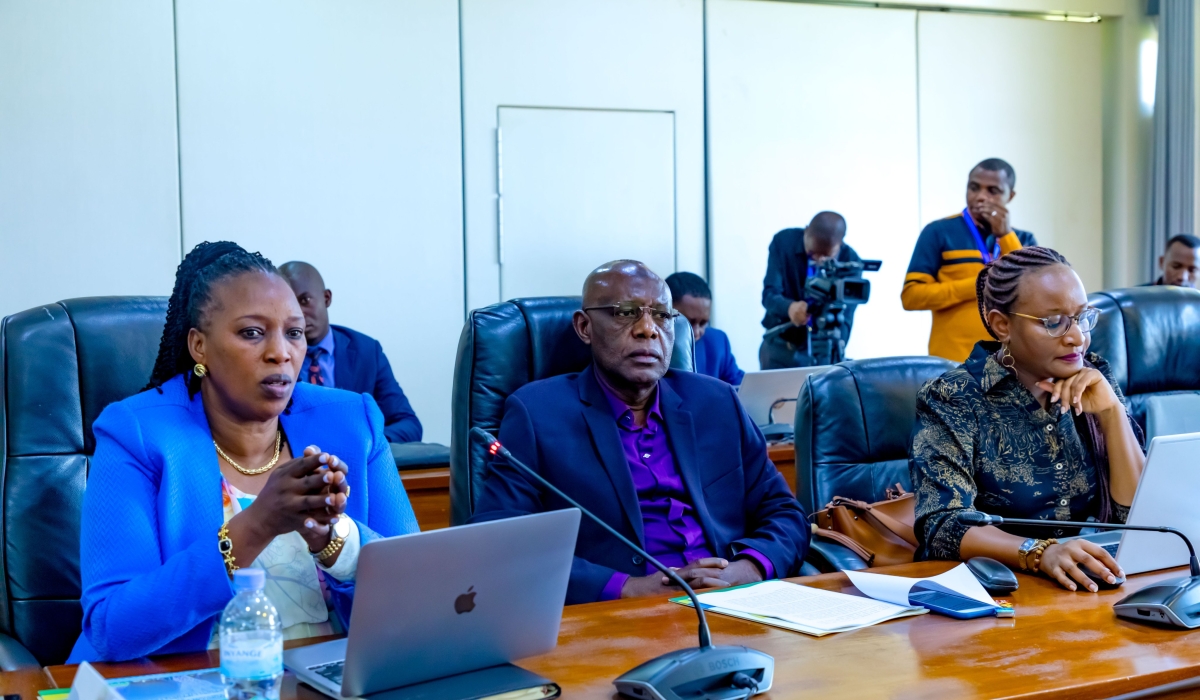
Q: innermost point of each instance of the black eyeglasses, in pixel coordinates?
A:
(1058, 325)
(628, 312)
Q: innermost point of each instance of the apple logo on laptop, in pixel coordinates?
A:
(465, 603)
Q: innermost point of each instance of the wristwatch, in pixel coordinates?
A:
(338, 534)
(1023, 553)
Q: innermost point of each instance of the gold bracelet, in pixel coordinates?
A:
(225, 546)
(334, 546)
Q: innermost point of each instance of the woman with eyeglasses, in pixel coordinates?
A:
(1031, 426)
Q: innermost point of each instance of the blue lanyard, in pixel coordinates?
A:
(987, 257)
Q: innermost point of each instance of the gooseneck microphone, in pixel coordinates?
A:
(1174, 602)
(495, 448)
(974, 517)
(707, 672)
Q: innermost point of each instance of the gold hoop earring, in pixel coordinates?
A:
(200, 370)
(1006, 358)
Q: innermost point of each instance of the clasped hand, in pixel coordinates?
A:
(1087, 391)
(710, 572)
(306, 495)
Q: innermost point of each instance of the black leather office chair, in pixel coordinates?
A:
(502, 348)
(60, 365)
(1151, 337)
(854, 428)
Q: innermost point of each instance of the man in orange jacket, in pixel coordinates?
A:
(951, 252)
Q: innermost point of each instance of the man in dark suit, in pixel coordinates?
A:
(669, 459)
(692, 297)
(793, 257)
(346, 359)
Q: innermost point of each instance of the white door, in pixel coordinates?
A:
(578, 188)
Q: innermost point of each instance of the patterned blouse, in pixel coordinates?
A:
(294, 580)
(982, 442)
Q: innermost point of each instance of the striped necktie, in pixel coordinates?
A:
(314, 367)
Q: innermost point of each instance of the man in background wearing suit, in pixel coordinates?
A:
(691, 296)
(346, 359)
(669, 459)
(793, 257)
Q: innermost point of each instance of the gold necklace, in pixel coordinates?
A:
(260, 470)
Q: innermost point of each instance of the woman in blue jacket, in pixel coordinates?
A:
(204, 473)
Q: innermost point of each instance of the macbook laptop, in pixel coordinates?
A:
(760, 391)
(1166, 496)
(439, 603)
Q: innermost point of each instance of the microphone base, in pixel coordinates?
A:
(698, 673)
(1173, 603)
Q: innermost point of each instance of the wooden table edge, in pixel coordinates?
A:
(60, 676)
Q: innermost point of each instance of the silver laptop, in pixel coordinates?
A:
(1166, 496)
(760, 391)
(439, 603)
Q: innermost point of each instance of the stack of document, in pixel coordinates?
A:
(801, 608)
(820, 612)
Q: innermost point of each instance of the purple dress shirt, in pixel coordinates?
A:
(324, 360)
(672, 531)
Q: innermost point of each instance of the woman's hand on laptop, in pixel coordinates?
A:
(1062, 562)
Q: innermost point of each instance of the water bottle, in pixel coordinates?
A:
(251, 636)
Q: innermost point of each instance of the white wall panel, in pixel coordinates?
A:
(581, 185)
(89, 195)
(812, 107)
(603, 54)
(329, 132)
(1039, 109)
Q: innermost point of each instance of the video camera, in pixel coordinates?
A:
(839, 282)
(835, 287)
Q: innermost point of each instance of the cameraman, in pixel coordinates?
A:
(793, 256)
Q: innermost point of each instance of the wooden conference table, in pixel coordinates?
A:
(1060, 645)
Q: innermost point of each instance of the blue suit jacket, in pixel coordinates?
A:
(714, 357)
(359, 365)
(563, 427)
(153, 580)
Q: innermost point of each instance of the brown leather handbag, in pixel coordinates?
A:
(880, 533)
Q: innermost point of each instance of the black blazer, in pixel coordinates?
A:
(359, 365)
(564, 428)
(787, 271)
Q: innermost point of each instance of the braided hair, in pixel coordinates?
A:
(996, 288)
(996, 285)
(200, 271)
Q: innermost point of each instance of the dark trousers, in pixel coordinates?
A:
(777, 353)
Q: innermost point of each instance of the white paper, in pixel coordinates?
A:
(896, 589)
(802, 605)
(90, 685)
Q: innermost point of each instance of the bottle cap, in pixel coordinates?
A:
(249, 579)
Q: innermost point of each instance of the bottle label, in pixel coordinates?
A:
(251, 658)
